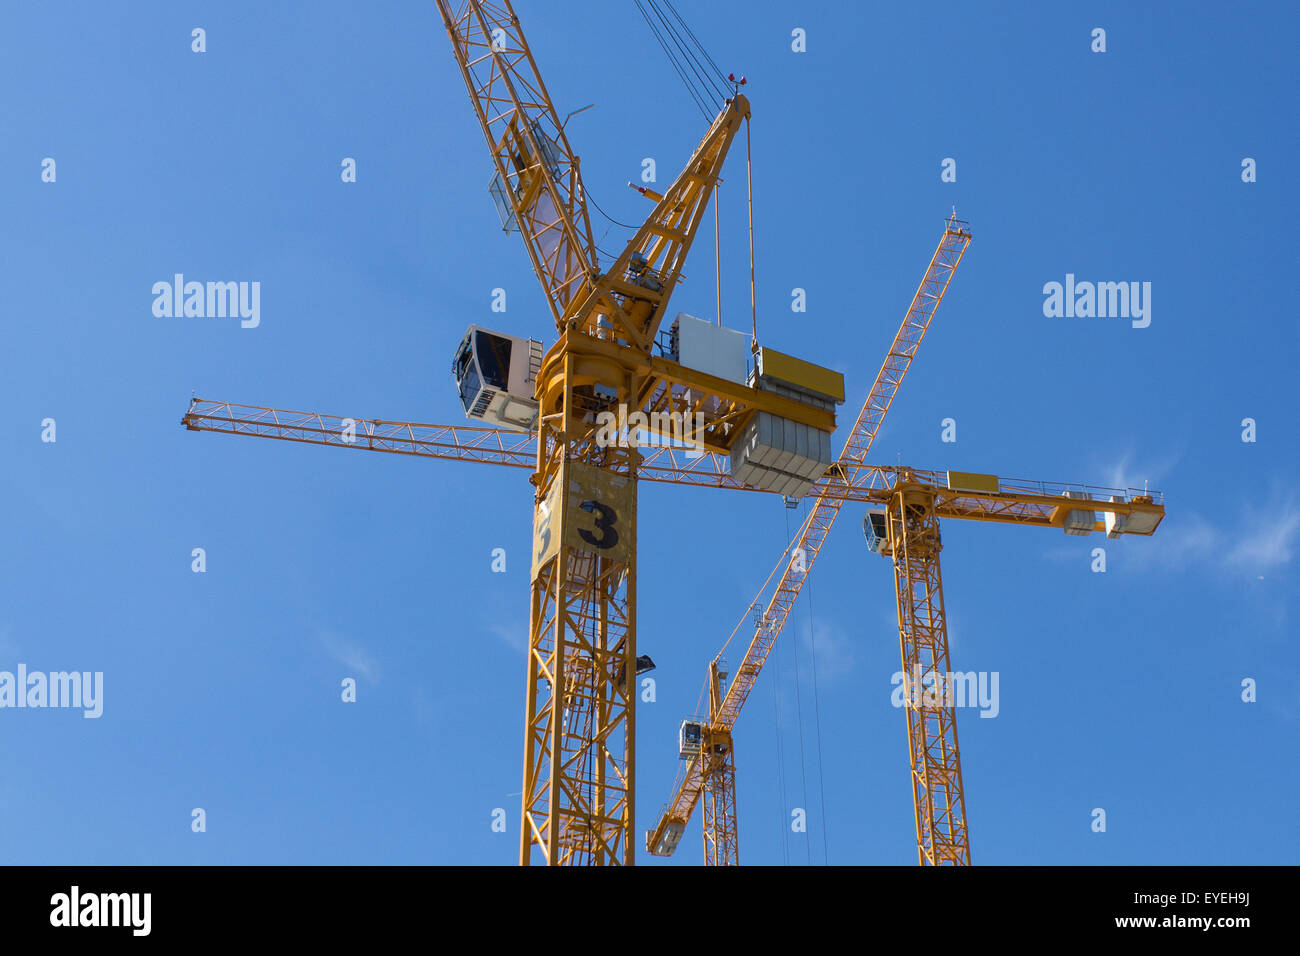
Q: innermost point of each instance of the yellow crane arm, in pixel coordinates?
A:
(632, 294)
(851, 470)
(538, 184)
(495, 446)
(1074, 508)
(492, 446)
(1015, 501)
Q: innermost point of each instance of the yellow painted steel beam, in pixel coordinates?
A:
(530, 152)
(630, 296)
(1017, 501)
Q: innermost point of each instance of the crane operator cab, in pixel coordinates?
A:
(496, 375)
(690, 738)
(876, 530)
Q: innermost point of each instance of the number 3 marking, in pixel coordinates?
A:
(605, 518)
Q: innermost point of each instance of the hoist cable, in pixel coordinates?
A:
(690, 88)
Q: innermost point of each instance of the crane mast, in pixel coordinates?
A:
(579, 764)
(579, 779)
(721, 818)
(934, 758)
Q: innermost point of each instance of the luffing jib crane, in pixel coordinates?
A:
(579, 761)
(707, 746)
(772, 421)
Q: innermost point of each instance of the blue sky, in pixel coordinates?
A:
(1119, 690)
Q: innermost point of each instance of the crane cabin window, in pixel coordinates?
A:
(467, 379)
(493, 355)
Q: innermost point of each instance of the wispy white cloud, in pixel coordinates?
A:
(1257, 539)
(1254, 540)
(1182, 540)
(351, 655)
(514, 636)
(1129, 473)
(1267, 539)
(424, 709)
(832, 651)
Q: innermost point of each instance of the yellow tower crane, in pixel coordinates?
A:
(902, 525)
(772, 422)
